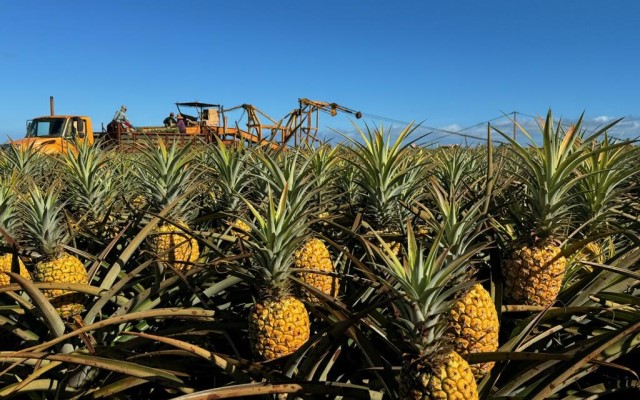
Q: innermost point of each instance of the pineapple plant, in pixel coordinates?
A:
(23, 160)
(228, 168)
(323, 164)
(46, 234)
(605, 189)
(91, 190)
(279, 323)
(8, 226)
(535, 266)
(165, 175)
(387, 175)
(294, 171)
(425, 285)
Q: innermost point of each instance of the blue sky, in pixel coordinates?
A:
(448, 64)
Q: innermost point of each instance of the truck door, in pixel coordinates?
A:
(79, 129)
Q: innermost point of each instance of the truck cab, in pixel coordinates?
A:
(56, 133)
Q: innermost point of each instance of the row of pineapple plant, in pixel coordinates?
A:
(311, 260)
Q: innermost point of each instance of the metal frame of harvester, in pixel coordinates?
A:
(253, 127)
(210, 124)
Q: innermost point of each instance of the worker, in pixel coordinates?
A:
(120, 117)
(182, 127)
(169, 121)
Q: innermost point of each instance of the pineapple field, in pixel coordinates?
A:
(382, 267)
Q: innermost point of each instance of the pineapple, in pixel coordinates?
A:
(165, 175)
(6, 263)
(314, 255)
(278, 326)
(534, 273)
(8, 224)
(240, 229)
(444, 376)
(475, 326)
(424, 287)
(174, 245)
(535, 266)
(46, 235)
(279, 322)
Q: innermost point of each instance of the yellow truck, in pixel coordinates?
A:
(56, 133)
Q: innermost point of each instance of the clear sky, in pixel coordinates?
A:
(448, 64)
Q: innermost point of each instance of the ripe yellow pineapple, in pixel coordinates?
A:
(475, 324)
(447, 377)
(5, 265)
(240, 229)
(171, 244)
(63, 268)
(534, 274)
(278, 326)
(46, 234)
(314, 255)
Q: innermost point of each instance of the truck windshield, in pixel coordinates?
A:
(47, 127)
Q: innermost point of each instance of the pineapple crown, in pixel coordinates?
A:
(8, 217)
(26, 160)
(547, 174)
(323, 161)
(45, 230)
(460, 219)
(426, 283)
(281, 221)
(455, 166)
(610, 165)
(165, 175)
(387, 174)
(90, 184)
(286, 171)
(279, 228)
(230, 166)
